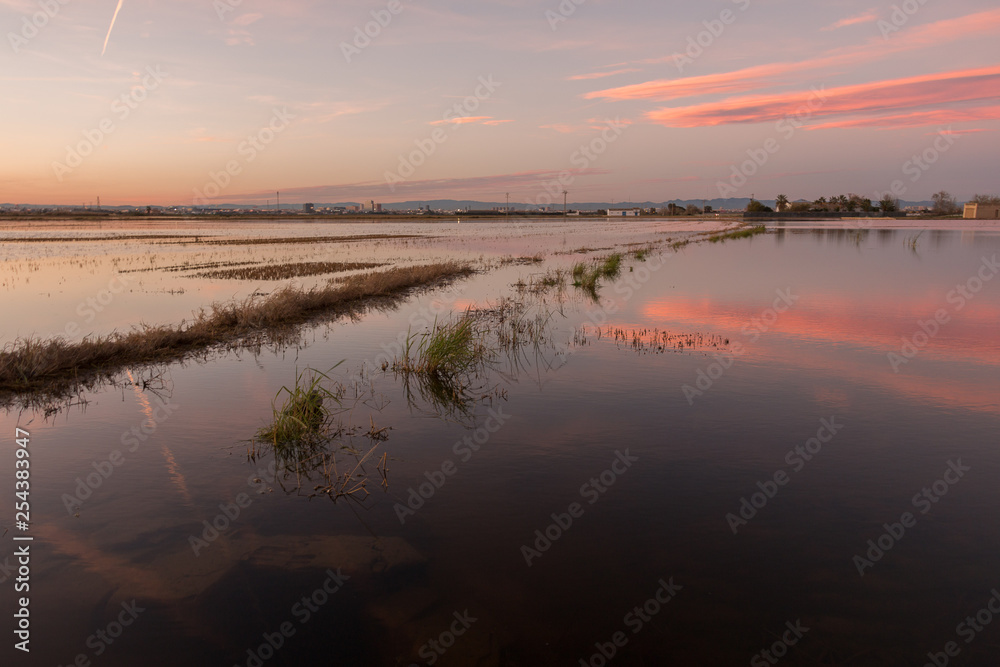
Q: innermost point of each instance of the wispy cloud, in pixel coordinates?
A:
(753, 78)
(864, 17)
(878, 97)
(484, 188)
(112, 26)
(919, 119)
(601, 75)
(468, 120)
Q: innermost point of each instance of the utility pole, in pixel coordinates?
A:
(279, 202)
(507, 209)
(565, 192)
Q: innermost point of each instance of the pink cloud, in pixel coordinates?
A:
(466, 120)
(869, 98)
(752, 78)
(919, 119)
(866, 17)
(601, 75)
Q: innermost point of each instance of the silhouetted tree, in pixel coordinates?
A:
(944, 203)
(888, 204)
(757, 207)
(985, 199)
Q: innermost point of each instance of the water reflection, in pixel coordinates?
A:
(574, 399)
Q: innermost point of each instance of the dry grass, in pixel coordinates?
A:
(81, 239)
(312, 239)
(56, 365)
(187, 266)
(284, 271)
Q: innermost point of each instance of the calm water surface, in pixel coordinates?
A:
(740, 476)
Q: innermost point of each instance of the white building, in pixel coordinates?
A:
(624, 212)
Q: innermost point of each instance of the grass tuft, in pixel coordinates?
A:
(304, 412)
(743, 233)
(446, 351)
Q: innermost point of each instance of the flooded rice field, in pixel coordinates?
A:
(773, 449)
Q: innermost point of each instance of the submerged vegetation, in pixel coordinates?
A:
(742, 233)
(55, 366)
(588, 277)
(306, 434)
(447, 366)
(650, 341)
(284, 271)
(312, 239)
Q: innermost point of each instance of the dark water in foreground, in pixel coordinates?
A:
(632, 465)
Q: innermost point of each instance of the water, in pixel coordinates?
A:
(681, 437)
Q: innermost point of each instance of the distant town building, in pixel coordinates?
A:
(982, 211)
(309, 208)
(624, 212)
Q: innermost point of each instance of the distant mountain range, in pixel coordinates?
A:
(737, 204)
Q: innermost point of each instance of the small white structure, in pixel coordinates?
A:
(624, 212)
(982, 211)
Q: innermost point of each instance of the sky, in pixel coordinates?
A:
(216, 101)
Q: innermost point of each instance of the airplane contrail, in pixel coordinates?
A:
(111, 27)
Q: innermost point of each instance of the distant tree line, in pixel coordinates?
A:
(674, 210)
(944, 204)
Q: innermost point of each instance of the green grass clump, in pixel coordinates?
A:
(447, 350)
(744, 233)
(588, 277)
(304, 412)
(611, 266)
